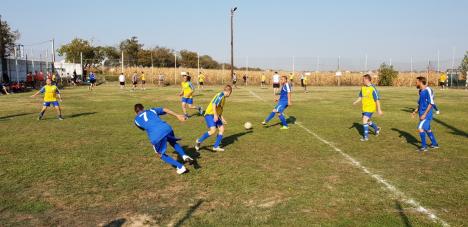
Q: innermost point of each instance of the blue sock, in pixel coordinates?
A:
(203, 137)
(374, 126)
(272, 114)
(167, 159)
(366, 130)
(435, 107)
(178, 149)
(423, 139)
(283, 120)
(218, 140)
(432, 137)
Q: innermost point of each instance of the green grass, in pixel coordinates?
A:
(96, 167)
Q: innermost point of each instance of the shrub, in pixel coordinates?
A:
(387, 75)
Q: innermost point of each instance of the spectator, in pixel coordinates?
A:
(276, 82)
(263, 83)
(234, 80)
(134, 81)
(244, 77)
(3, 89)
(122, 81)
(143, 80)
(442, 80)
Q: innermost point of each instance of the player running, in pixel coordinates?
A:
(92, 81)
(187, 96)
(160, 133)
(369, 96)
(51, 92)
(424, 110)
(214, 119)
(143, 80)
(283, 102)
(201, 81)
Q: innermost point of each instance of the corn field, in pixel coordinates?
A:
(173, 76)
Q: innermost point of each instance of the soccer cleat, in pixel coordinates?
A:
(364, 139)
(377, 133)
(60, 118)
(181, 170)
(197, 145)
(284, 127)
(186, 116)
(422, 149)
(187, 158)
(437, 112)
(218, 149)
(39, 118)
(200, 110)
(434, 146)
(264, 123)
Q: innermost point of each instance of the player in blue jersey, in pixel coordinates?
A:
(160, 133)
(424, 112)
(283, 102)
(214, 119)
(92, 80)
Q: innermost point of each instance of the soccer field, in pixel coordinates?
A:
(97, 168)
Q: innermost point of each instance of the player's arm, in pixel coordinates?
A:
(59, 95)
(358, 99)
(413, 114)
(379, 109)
(215, 114)
(223, 120)
(38, 92)
(178, 116)
(375, 96)
(5, 90)
(289, 99)
(429, 107)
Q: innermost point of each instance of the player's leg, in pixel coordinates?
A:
(209, 119)
(160, 149)
(431, 136)
(216, 146)
(422, 134)
(184, 107)
(173, 142)
(281, 116)
(271, 115)
(365, 125)
(43, 110)
(374, 126)
(59, 111)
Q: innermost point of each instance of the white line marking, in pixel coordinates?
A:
(397, 193)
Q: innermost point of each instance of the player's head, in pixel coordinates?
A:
(366, 79)
(138, 108)
(421, 82)
(276, 72)
(284, 79)
(48, 81)
(187, 78)
(227, 90)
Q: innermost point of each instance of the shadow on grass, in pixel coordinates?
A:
(189, 213)
(116, 223)
(190, 151)
(14, 115)
(81, 114)
(358, 128)
(402, 214)
(289, 120)
(409, 138)
(233, 138)
(455, 131)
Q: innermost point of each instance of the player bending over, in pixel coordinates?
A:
(424, 110)
(369, 96)
(160, 133)
(51, 92)
(187, 96)
(283, 102)
(214, 119)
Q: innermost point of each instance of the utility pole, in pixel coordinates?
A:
(121, 63)
(232, 41)
(53, 55)
(3, 63)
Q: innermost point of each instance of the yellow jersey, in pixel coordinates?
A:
(304, 80)
(369, 95)
(218, 103)
(291, 76)
(201, 78)
(263, 78)
(143, 77)
(443, 77)
(50, 93)
(187, 89)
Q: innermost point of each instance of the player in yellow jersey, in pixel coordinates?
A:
(214, 119)
(201, 80)
(143, 80)
(187, 96)
(263, 83)
(51, 92)
(442, 80)
(369, 96)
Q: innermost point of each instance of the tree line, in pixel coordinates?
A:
(134, 55)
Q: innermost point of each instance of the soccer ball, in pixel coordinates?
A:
(248, 125)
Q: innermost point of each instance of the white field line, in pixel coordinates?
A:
(395, 192)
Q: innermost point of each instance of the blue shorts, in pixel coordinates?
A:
(160, 147)
(425, 124)
(55, 103)
(280, 107)
(211, 123)
(367, 114)
(187, 100)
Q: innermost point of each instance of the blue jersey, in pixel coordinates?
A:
(285, 90)
(92, 76)
(425, 99)
(155, 128)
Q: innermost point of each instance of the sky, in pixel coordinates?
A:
(307, 35)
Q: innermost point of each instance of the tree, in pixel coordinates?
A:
(387, 74)
(73, 49)
(107, 54)
(8, 38)
(189, 59)
(163, 57)
(130, 48)
(207, 62)
(464, 65)
(144, 58)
